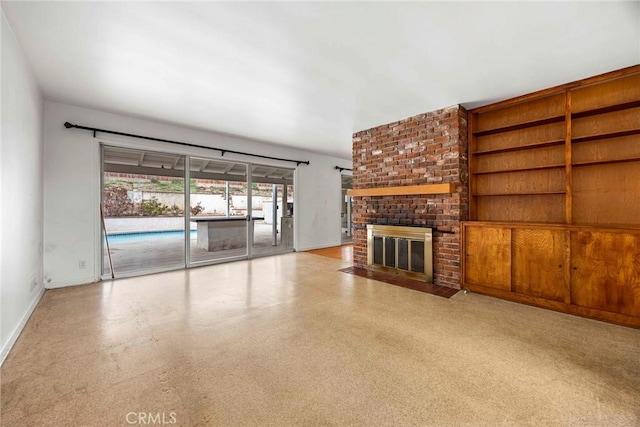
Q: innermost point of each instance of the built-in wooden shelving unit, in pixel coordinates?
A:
(555, 198)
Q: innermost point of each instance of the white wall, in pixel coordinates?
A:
(71, 192)
(21, 228)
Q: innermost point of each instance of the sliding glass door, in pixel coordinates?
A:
(272, 199)
(218, 210)
(142, 212)
(152, 221)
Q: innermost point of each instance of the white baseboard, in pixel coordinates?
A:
(310, 248)
(18, 329)
(78, 282)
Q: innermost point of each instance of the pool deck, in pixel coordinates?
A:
(140, 255)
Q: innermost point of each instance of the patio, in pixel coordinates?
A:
(143, 254)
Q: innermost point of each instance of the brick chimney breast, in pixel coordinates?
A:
(429, 148)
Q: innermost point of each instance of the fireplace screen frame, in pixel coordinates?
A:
(419, 234)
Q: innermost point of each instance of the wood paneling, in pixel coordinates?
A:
(539, 263)
(607, 194)
(607, 150)
(542, 208)
(537, 109)
(523, 159)
(606, 271)
(520, 138)
(617, 121)
(521, 182)
(616, 91)
(488, 257)
(584, 270)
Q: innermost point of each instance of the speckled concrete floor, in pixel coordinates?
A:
(289, 340)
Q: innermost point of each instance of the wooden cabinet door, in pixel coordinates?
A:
(539, 263)
(488, 257)
(605, 271)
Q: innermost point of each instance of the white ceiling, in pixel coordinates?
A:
(309, 74)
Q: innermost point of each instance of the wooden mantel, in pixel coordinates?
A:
(407, 190)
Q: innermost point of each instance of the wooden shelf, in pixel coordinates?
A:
(520, 147)
(606, 162)
(604, 110)
(605, 136)
(532, 168)
(406, 190)
(519, 126)
(538, 193)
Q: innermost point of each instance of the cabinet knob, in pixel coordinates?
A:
(559, 265)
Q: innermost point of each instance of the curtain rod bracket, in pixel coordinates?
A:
(343, 169)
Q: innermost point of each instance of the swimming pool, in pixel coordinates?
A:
(147, 235)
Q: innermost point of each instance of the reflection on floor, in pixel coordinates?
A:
(291, 341)
(346, 239)
(344, 252)
(168, 252)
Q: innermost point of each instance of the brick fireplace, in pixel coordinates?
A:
(429, 148)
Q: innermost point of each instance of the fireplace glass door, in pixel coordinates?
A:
(401, 250)
(403, 254)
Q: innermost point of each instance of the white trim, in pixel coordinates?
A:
(98, 266)
(296, 205)
(78, 282)
(20, 326)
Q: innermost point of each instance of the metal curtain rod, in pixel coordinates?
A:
(186, 144)
(343, 169)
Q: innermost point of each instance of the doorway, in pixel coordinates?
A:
(346, 216)
(142, 212)
(272, 210)
(218, 194)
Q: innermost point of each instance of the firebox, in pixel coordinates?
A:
(405, 251)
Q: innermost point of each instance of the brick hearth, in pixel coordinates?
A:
(429, 148)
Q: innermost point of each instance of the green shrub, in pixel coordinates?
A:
(153, 207)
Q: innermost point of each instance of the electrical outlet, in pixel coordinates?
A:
(82, 264)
